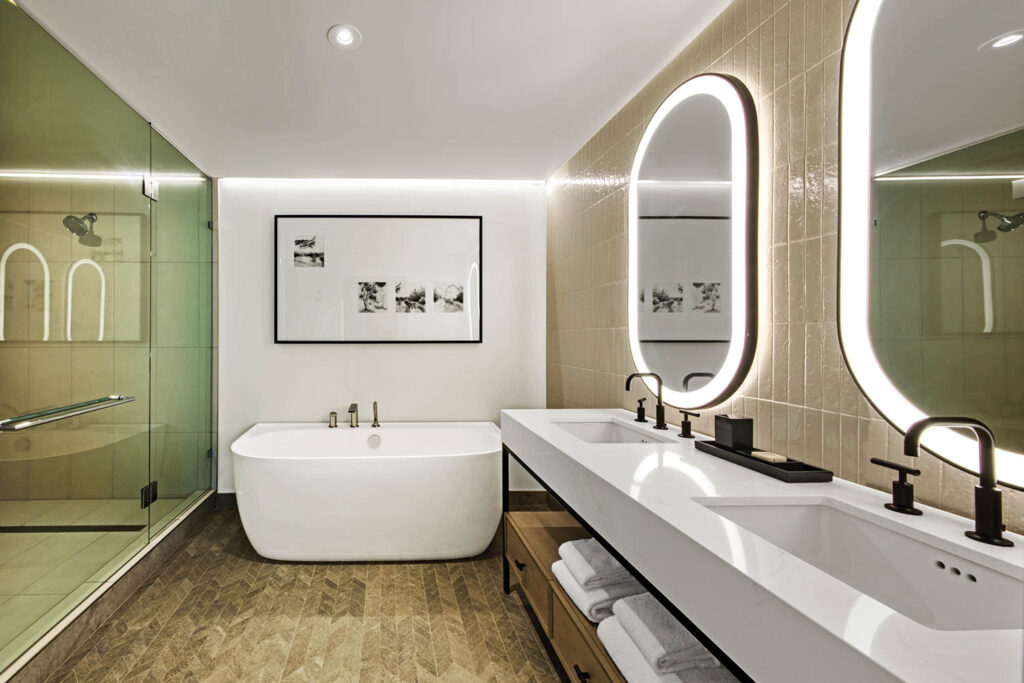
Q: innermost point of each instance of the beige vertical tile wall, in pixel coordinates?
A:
(803, 399)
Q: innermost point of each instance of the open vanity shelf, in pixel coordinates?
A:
(531, 547)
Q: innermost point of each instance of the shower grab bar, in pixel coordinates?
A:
(41, 417)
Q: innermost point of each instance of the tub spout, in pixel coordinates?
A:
(353, 415)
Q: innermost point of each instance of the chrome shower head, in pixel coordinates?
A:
(82, 227)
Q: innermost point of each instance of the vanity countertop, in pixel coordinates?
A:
(780, 618)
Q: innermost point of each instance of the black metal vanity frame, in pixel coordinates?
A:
(507, 453)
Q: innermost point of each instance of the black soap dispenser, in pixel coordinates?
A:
(641, 412)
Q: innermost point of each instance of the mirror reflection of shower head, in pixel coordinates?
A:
(82, 227)
(984, 235)
(1003, 223)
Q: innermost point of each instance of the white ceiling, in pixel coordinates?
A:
(933, 91)
(440, 89)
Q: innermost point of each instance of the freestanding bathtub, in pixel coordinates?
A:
(403, 491)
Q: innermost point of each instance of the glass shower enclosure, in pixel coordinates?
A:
(105, 333)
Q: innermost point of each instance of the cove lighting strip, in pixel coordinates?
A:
(854, 258)
(948, 176)
(722, 90)
(385, 182)
(74, 175)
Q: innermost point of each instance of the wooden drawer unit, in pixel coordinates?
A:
(575, 640)
(528, 572)
(531, 547)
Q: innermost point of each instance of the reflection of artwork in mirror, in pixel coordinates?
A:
(686, 262)
(692, 307)
(668, 298)
(932, 243)
(360, 278)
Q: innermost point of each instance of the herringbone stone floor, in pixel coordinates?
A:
(219, 612)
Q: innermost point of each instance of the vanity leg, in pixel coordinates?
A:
(506, 578)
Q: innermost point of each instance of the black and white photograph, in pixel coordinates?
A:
(668, 298)
(707, 296)
(410, 298)
(309, 252)
(448, 297)
(422, 275)
(373, 297)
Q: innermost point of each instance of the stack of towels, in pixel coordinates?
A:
(593, 578)
(648, 645)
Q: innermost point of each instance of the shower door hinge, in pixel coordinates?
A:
(150, 188)
(209, 453)
(209, 225)
(148, 494)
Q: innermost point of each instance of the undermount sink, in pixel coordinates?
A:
(609, 431)
(899, 568)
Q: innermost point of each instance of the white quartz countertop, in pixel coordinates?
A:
(779, 617)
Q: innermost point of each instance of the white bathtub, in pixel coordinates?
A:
(403, 491)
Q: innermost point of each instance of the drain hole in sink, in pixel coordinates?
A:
(972, 578)
(940, 564)
(956, 572)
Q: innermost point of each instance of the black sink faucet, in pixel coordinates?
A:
(988, 498)
(659, 414)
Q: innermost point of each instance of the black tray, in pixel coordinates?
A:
(791, 471)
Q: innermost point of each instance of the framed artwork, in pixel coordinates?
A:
(377, 279)
(685, 295)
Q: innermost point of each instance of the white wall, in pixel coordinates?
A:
(260, 381)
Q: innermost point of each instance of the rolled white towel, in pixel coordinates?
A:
(596, 603)
(636, 669)
(591, 565)
(665, 643)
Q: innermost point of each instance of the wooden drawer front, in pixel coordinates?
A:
(573, 648)
(534, 584)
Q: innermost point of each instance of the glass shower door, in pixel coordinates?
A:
(74, 330)
(180, 434)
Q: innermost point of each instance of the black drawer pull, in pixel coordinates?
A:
(580, 673)
(519, 565)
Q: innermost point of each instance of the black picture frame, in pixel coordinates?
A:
(480, 253)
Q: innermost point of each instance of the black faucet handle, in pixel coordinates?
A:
(641, 412)
(686, 427)
(902, 490)
(902, 469)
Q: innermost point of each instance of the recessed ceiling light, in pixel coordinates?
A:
(344, 36)
(1003, 40)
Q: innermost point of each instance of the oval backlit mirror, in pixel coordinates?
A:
(931, 235)
(692, 309)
